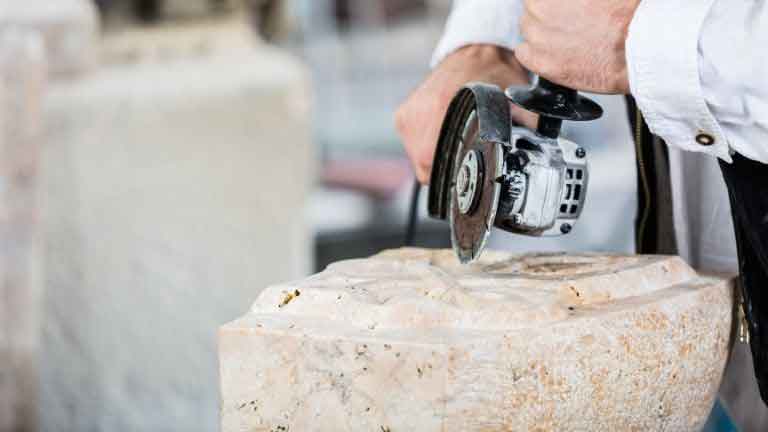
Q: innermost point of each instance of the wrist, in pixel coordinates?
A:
(484, 54)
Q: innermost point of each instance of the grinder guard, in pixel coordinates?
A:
(493, 116)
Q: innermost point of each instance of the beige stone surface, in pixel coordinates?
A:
(22, 79)
(409, 340)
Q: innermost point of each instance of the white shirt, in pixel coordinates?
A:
(695, 66)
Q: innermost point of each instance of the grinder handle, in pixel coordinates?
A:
(550, 126)
(553, 103)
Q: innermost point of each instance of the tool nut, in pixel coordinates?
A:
(467, 179)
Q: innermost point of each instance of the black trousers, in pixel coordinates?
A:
(747, 183)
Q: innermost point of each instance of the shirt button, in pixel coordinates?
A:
(705, 139)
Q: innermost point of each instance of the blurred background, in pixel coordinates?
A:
(165, 160)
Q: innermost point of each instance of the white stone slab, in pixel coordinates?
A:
(175, 189)
(22, 79)
(409, 340)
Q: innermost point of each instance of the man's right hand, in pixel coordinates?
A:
(419, 119)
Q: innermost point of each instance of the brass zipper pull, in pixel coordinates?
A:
(743, 326)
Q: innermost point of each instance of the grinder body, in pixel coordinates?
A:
(544, 185)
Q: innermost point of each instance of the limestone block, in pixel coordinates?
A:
(409, 340)
(69, 29)
(175, 191)
(22, 77)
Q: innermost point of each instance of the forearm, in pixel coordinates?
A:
(491, 22)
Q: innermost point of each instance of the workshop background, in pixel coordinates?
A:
(163, 161)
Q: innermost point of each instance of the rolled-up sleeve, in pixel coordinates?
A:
(697, 69)
(493, 22)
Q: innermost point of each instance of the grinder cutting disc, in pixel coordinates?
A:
(475, 191)
(468, 160)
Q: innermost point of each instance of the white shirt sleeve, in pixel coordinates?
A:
(493, 22)
(699, 72)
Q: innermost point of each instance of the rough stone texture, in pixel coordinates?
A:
(409, 340)
(22, 78)
(69, 29)
(175, 190)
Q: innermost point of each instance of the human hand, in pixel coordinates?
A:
(419, 119)
(577, 43)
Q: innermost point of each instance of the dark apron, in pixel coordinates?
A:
(747, 183)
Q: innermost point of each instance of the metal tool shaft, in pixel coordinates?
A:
(550, 126)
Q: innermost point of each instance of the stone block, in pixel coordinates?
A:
(409, 340)
(22, 78)
(69, 29)
(175, 189)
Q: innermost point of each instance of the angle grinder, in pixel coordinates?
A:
(490, 172)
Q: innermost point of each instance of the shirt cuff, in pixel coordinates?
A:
(662, 52)
(493, 22)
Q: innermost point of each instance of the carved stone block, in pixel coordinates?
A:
(409, 340)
